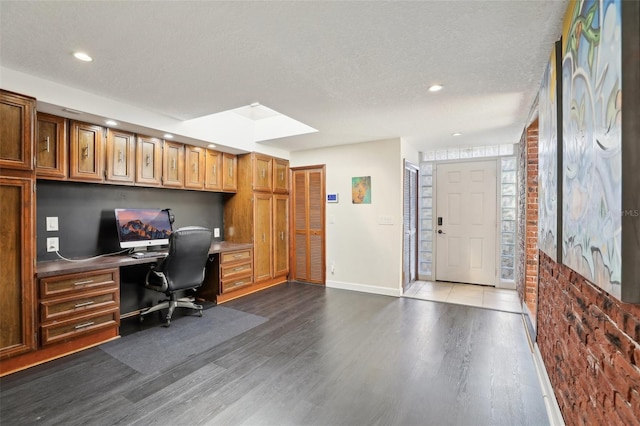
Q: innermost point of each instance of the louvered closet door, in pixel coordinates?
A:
(308, 224)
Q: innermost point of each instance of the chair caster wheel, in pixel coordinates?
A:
(167, 323)
(200, 313)
(141, 318)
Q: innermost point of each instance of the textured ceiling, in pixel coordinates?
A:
(356, 71)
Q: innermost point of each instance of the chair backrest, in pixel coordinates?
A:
(185, 264)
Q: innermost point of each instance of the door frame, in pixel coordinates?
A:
(412, 168)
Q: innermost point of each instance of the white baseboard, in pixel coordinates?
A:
(550, 401)
(364, 288)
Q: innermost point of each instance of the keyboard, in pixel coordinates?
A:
(146, 254)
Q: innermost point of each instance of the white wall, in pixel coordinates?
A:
(230, 132)
(365, 255)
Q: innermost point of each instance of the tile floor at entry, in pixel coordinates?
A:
(466, 294)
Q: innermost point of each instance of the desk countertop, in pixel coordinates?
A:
(59, 267)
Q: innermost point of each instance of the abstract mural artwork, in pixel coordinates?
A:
(548, 161)
(591, 108)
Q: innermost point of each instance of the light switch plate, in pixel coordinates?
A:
(52, 223)
(216, 232)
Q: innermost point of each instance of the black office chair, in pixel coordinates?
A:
(182, 269)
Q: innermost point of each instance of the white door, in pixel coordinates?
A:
(466, 222)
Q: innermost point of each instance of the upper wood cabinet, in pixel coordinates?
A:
(17, 122)
(86, 144)
(51, 147)
(280, 176)
(173, 165)
(120, 157)
(194, 167)
(148, 161)
(213, 167)
(262, 173)
(229, 172)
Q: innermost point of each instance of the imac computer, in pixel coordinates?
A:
(148, 228)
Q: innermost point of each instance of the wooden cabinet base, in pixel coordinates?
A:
(225, 297)
(49, 353)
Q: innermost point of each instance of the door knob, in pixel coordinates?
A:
(440, 231)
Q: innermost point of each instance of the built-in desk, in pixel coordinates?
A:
(61, 267)
(80, 303)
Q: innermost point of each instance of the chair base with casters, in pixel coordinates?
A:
(172, 304)
(182, 270)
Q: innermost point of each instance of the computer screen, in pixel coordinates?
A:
(143, 227)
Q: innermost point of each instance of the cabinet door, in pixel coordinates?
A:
(120, 157)
(173, 165)
(262, 173)
(229, 172)
(281, 176)
(86, 145)
(51, 147)
(17, 124)
(213, 175)
(194, 167)
(17, 254)
(280, 235)
(148, 161)
(262, 234)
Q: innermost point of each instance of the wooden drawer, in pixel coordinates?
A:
(86, 301)
(235, 256)
(234, 284)
(65, 284)
(235, 270)
(59, 331)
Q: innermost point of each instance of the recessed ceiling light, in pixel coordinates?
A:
(436, 88)
(82, 57)
(111, 123)
(168, 136)
(456, 134)
(211, 145)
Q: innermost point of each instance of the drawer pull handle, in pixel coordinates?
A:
(83, 282)
(80, 305)
(235, 256)
(84, 325)
(238, 283)
(47, 146)
(239, 268)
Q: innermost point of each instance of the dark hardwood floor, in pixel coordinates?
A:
(324, 357)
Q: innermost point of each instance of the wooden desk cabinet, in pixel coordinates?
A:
(78, 304)
(236, 270)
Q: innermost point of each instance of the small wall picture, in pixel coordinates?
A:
(361, 190)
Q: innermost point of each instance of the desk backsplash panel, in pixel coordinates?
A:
(86, 213)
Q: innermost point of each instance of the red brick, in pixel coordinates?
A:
(624, 411)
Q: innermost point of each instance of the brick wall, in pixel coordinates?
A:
(589, 342)
(527, 274)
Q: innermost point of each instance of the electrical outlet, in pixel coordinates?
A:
(52, 223)
(53, 244)
(216, 232)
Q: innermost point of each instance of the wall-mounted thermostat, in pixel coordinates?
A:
(332, 198)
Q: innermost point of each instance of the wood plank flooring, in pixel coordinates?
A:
(324, 357)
